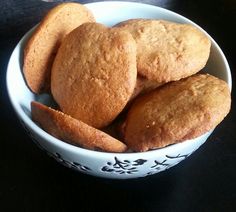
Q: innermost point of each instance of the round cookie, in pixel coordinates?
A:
(73, 131)
(167, 51)
(42, 46)
(176, 112)
(94, 73)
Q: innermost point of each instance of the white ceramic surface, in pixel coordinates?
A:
(108, 165)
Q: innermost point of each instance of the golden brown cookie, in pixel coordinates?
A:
(42, 46)
(73, 131)
(167, 51)
(94, 73)
(176, 112)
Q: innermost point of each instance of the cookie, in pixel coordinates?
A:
(42, 46)
(176, 112)
(167, 51)
(73, 131)
(95, 70)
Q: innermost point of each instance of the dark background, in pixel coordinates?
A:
(31, 181)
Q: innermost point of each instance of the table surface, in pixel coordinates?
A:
(31, 181)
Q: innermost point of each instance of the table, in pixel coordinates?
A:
(32, 181)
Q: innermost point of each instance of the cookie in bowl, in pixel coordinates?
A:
(176, 112)
(167, 51)
(42, 46)
(95, 70)
(73, 131)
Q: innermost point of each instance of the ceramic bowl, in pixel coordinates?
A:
(108, 165)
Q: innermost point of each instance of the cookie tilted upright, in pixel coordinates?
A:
(42, 46)
(176, 112)
(95, 70)
(167, 51)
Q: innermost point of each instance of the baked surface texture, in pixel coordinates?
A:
(73, 131)
(95, 70)
(167, 51)
(42, 46)
(176, 112)
(144, 85)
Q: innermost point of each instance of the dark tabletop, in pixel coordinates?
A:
(31, 181)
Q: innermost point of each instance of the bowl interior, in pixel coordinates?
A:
(108, 13)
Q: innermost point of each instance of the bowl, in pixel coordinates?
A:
(101, 164)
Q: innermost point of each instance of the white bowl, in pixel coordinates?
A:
(108, 165)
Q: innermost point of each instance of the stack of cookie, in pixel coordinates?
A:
(138, 77)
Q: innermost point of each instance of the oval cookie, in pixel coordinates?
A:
(73, 131)
(41, 48)
(94, 73)
(176, 112)
(167, 51)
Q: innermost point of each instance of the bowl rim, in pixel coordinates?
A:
(77, 149)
